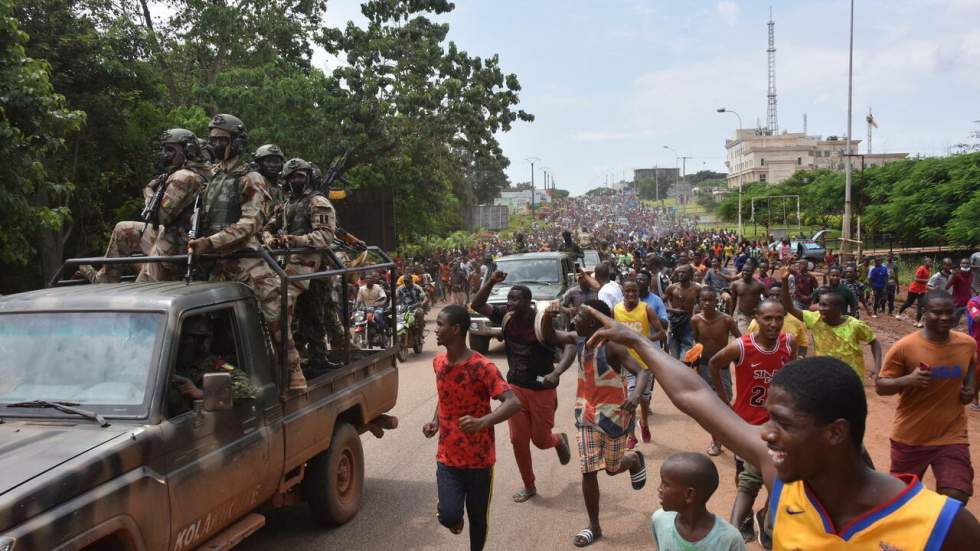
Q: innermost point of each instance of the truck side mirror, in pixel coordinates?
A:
(217, 391)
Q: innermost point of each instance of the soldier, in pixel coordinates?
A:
(188, 176)
(268, 161)
(309, 221)
(234, 208)
(194, 360)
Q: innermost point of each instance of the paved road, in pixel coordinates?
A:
(398, 512)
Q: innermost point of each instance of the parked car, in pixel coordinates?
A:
(803, 248)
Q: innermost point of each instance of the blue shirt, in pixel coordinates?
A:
(658, 306)
(878, 276)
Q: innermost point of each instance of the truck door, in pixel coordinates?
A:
(213, 458)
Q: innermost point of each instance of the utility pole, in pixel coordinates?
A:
(846, 229)
(725, 110)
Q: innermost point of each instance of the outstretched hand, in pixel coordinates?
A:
(611, 330)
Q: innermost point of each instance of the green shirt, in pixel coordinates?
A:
(722, 537)
(842, 341)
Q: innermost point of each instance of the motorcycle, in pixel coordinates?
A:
(410, 331)
(365, 332)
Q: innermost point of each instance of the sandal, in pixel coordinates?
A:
(974, 406)
(639, 478)
(586, 537)
(564, 452)
(714, 450)
(645, 433)
(630, 442)
(524, 495)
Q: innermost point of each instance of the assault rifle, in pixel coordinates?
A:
(151, 212)
(192, 234)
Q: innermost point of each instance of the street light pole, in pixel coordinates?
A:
(532, 160)
(725, 110)
(846, 229)
(676, 157)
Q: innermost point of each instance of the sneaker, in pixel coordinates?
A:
(765, 539)
(747, 530)
(875, 316)
(630, 442)
(898, 316)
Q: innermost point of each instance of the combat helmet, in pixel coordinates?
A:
(229, 123)
(180, 136)
(296, 164)
(268, 150)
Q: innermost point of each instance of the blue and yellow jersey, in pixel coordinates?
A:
(916, 520)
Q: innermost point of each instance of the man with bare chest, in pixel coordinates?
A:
(711, 330)
(748, 293)
(681, 298)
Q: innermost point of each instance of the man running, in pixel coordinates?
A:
(529, 361)
(757, 356)
(712, 329)
(604, 412)
(933, 371)
(917, 288)
(823, 494)
(465, 383)
(748, 292)
(643, 318)
(681, 298)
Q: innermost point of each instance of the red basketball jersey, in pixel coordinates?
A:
(753, 375)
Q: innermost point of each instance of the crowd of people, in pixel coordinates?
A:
(764, 350)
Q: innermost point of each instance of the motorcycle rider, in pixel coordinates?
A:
(410, 295)
(307, 220)
(372, 296)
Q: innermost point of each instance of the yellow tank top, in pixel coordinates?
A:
(637, 320)
(916, 520)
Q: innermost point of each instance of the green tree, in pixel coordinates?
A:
(35, 124)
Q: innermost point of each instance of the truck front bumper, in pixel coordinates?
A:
(483, 328)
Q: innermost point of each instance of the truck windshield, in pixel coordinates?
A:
(85, 358)
(543, 271)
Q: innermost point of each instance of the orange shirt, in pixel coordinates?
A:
(922, 272)
(931, 416)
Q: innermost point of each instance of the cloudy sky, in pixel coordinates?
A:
(611, 82)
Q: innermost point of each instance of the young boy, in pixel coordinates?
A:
(711, 330)
(604, 411)
(643, 318)
(823, 494)
(683, 523)
(757, 357)
(465, 383)
(932, 370)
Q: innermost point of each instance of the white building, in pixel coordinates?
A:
(519, 201)
(754, 156)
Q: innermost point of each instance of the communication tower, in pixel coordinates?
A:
(772, 126)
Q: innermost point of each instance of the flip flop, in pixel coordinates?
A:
(585, 538)
(639, 478)
(714, 450)
(524, 495)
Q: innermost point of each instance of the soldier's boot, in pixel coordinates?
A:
(296, 380)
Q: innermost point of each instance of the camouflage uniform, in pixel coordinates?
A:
(128, 238)
(234, 210)
(174, 215)
(310, 221)
(241, 384)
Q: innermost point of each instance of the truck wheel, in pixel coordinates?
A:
(401, 348)
(480, 343)
(335, 478)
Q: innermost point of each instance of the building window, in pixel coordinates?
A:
(762, 177)
(762, 162)
(799, 161)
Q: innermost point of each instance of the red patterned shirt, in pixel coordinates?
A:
(466, 389)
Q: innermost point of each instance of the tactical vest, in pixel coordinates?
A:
(298, 220)
(223, 201)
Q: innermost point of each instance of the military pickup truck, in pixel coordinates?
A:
(100, 449)
(548, 274)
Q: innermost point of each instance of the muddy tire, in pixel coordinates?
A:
(480, 343)
(334, 481)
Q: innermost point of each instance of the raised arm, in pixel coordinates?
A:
(784, 295)
(691, 395)
(479, 303)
